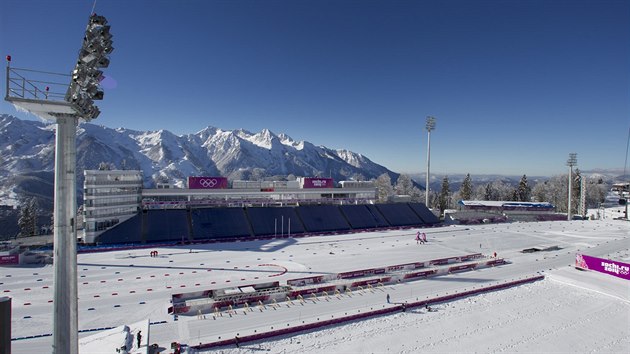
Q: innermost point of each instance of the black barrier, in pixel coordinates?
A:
(5, 324)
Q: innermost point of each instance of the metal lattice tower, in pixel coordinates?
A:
(572, 161)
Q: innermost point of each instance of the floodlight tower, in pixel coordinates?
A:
(66, 110)
(572, 161)
(429, 126)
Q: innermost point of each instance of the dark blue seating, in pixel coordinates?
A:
(424, 213)
(360, 217)
(235, 222)
(321, 218)
(129, 231)
(380, 219)
(214, 223)
(274, 221)
(399, 214)
(165, 225)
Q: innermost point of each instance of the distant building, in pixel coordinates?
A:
(109, 198)
(489, 211)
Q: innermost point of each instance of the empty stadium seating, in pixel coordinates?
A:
(399, 214)
(424, 213)
(129, 231)
(201, 224)
(165, 225)
(321, 218)
(360, 217)
(213, 223)
(274, 221)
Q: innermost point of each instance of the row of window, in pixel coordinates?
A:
(103, 213)
(100, 225)
(113, 201)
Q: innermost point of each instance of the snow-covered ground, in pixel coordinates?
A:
(568, 311)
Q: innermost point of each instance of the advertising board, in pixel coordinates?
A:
(10, 259)
(207, 182)
(607, 266)
(312, 182)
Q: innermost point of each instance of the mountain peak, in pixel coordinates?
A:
(28, 146)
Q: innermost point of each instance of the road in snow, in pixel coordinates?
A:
(569, 311)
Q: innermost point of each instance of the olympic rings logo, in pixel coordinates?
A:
(208, 183)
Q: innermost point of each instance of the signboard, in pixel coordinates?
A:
(10, 259)
(618, 269)
(310, 182)
(207, 182)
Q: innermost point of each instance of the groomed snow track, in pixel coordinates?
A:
(363, 315)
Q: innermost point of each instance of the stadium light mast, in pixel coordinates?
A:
(572, 161)
(66, 110)
(430, 125)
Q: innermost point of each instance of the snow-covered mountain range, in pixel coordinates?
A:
(27, 156)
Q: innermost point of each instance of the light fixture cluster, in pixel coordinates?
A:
(86, 76)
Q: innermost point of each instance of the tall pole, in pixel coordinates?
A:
(65, 319)
(429, 126)
(77, 104)
(572, 161)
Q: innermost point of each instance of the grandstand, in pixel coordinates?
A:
(203, 224)
(362, 217)
(399, 214)
(322, 218)
(276, 221)
(218, 223)
(120, 211)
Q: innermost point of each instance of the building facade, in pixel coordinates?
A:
(109, 198)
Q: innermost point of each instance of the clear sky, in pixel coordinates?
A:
(515, 85)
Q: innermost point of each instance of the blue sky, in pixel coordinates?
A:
(515, 85)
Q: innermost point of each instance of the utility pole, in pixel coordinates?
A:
(430, 125)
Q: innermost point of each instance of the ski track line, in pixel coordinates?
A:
(588, 289)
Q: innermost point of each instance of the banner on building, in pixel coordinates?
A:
(207, 182)
(312, 182)
(618, 269)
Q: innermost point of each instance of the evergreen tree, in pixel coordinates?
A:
(465, 192)
(523, 192)
(404, 185)
(384, 188)
(444, 197)
(416, 195)
(27, 221)
(576, 190)
(34, 207)
(488, 193)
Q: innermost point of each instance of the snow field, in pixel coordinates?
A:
(515, 319)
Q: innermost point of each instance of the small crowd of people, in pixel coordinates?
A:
(154, 253)
(421, 238)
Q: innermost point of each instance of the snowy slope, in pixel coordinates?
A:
(28, 146)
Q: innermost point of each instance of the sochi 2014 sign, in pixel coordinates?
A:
(10, 259)
(207, 182)
(311, 182)
(618, 269)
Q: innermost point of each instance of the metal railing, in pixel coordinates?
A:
(41, 85)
